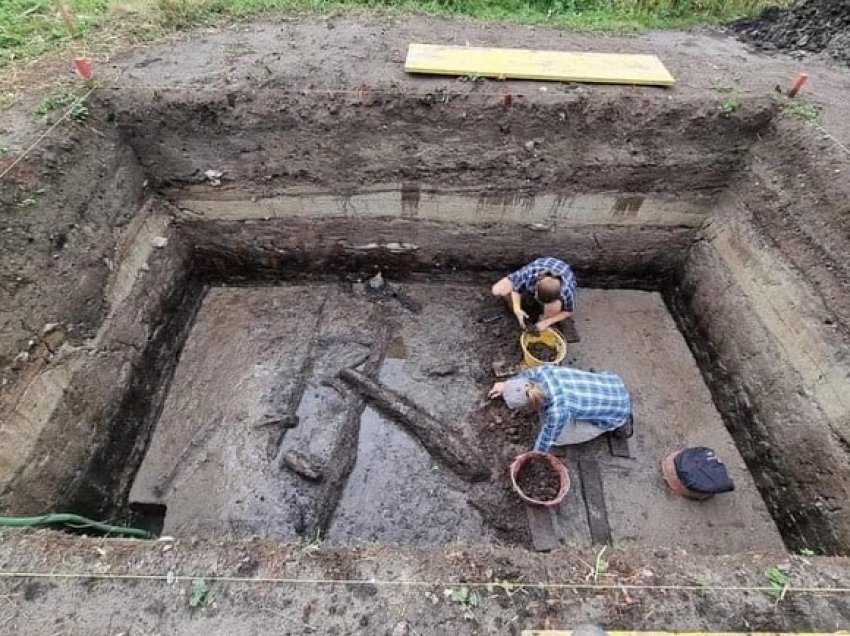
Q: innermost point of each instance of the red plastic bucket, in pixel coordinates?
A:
(555, 463)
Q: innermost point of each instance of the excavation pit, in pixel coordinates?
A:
(209, 400)
(236, 419)
(257, 356)
(157, 284)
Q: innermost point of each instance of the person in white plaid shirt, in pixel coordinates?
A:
(541, 294)
(574, 405)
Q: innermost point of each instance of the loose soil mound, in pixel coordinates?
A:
(538, 480)
(817, 26)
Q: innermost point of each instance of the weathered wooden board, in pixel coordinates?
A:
(545, 534)
(594, 499)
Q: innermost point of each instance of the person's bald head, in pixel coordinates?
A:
(548, 289)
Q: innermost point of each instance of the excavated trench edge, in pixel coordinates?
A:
(802, 525)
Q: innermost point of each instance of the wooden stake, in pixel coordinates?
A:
(797, 84)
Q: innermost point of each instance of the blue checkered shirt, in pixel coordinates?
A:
(598, 397)
(525, 279)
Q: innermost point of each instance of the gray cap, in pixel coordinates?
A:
(515, 393)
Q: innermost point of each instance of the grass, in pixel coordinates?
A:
(803, 110)
(730, 103)
(778, 582)
(29, 28)
(79, 109)
(200, 594)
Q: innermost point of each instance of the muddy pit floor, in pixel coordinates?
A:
(257, 353)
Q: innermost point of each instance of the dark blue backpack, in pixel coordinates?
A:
(700, 470)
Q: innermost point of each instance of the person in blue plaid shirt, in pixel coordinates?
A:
(541, 294)
(574, 405)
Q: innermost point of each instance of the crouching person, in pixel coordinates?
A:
(575, 406)
(541, 294)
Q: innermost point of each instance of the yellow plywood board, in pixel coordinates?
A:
(559, 66)
(615, 633)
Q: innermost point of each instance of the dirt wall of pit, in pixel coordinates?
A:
(766, 301)
(63, 213)
(609, 239)
(83, 416)
(266, 140)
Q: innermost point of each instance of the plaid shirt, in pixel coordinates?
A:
(598, 397)
(525, 279)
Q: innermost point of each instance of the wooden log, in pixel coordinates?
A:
(445, 444)
(344, 454)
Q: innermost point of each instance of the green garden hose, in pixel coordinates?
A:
(74, 521)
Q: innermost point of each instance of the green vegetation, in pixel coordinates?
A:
(730, 103)
(79, 109)
(27, 202)
(200, 594)
(803, 110)
(468, 600)
(29, 28)
(779, 582)
(600, 566)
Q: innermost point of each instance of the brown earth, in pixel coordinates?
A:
(70, 229)
(114, 586)
(538, 480)
(316, 94)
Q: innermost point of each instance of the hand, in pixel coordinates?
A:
(497, 390)
(521, 316)
(543, 325)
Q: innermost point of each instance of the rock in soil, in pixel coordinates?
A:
(537, 479)
(302, 465)
(543, 352)
(442, 369)
(402, 628)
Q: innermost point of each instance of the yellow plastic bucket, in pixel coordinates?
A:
(550, 338)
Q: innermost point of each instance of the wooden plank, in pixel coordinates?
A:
(503, 369)
(560, 66)
(565, 524)
(444, 441)
(572, 513)
(594, 500)
(619, 446)
(545, 535)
